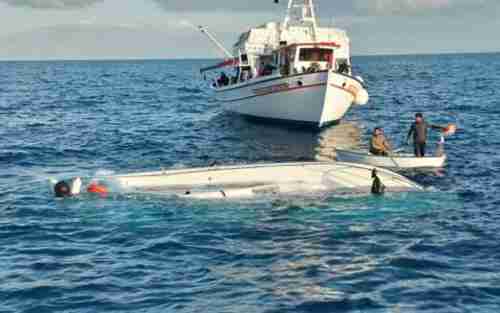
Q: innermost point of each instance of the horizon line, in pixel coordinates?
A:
(104, 59)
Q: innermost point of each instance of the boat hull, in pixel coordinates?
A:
(250, 181)
(397, 161)
(317, 99)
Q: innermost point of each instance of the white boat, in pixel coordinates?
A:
(394, 161)
(250, 181)
(294, 71)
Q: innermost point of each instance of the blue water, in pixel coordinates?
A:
(433, 252)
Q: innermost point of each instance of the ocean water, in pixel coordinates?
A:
(438, 251)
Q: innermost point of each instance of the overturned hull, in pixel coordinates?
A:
(249, 181)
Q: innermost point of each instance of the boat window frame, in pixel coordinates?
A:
(321, 56)
(299, 66)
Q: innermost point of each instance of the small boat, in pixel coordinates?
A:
(393, 161)
(398, 160)
(250, 181)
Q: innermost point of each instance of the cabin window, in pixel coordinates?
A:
(244, 59)
(315, 55)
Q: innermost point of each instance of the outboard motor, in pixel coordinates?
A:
(378, 188)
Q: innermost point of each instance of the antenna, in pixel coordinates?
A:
(301, 14)
(215, 41)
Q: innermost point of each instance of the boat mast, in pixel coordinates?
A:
(307, 15)
(215, 42)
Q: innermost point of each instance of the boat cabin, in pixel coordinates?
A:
(305, 58)
(295, 46)
(288, 60)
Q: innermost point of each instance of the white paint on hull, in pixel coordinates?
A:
(318, 98)
(396, 161)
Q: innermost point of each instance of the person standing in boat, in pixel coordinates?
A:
(379, 145)
(419, 132)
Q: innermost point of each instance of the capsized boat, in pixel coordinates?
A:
(250, 181)
(293, 71)
(393, 161)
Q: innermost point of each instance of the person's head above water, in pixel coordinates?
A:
(62, 189)
(419, 117)
(378, 131)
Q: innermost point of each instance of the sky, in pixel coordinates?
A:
(143, 29)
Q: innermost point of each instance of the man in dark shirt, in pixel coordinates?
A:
(419, 132)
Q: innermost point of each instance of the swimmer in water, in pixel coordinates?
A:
(64, 189)
(378, 188)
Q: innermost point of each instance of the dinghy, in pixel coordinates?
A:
(393, 161)
(397, 160)
(250, 181)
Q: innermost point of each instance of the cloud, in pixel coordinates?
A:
(101, 42)
(394, 6)
(325, 7)
(171, 5)
(210, 5)
(404, 7)
(52, 4)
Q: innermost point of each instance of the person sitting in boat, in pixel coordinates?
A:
(419, 132)
(266, 69)
(343, 68)
(315, 67)
(379, 145)
(327, 57)
(223, 80)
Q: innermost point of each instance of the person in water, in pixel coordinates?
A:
(379, 145)
(419, 132)
(378, 188)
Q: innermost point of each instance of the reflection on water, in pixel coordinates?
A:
(300, 267)
(346, 135)
(265, 141)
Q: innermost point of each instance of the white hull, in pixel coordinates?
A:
(249, 181)
(397, 161)
(314, 98)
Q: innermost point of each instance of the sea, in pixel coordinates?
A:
(435, 251)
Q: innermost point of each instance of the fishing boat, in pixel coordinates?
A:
(393, 161)
(256, 180)
(294, 71)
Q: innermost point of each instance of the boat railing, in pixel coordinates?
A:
(253, 80)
